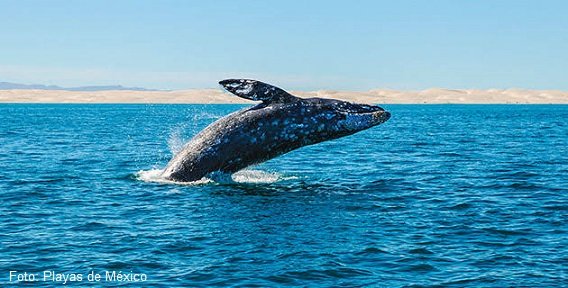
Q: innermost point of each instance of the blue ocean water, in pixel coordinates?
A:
(440, 195)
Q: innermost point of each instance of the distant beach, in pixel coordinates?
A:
(216, 96)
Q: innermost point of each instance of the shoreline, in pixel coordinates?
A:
(216, 96)
(153, 103)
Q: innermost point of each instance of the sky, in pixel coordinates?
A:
(299, 45)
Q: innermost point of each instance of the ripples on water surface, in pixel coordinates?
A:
(439, 195)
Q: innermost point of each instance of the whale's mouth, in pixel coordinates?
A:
(375, 113)
(362, 116)
(375, 117)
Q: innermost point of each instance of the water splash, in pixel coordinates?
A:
(176, 140)
(257, 176)
(243, 176)
(179, 133)
(155, 176)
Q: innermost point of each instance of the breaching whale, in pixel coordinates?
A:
(279, 124)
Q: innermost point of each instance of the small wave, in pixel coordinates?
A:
(258, 176)
(243, 176)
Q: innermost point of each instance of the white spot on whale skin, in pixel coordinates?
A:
(245, 89)
(233, 85)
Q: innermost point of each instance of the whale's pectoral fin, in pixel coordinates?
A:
(256, 91)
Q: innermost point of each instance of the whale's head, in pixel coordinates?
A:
(357, 117)
(337, 118)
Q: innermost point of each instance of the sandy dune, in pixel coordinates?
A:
(430, 96)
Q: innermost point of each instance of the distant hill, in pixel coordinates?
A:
(16, 86)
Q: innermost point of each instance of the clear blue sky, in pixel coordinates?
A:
(297, 44)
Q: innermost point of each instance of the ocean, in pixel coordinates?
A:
(440, 195)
